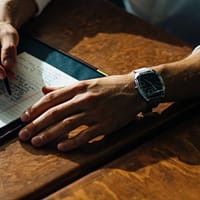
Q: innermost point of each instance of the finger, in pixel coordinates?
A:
(9, 44)
(2, 73)
(10, 74)
(61, 127)
(49, 100)
(8, 55)
(84, 137)
(47, 89)
(57, 130)
(54, 115)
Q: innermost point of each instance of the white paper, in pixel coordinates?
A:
(31, 75)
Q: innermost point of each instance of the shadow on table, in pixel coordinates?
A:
(178, 137)
(144, 138)
(73, 22)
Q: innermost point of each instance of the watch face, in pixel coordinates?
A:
(150, 85)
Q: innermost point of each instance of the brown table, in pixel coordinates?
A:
(116, 42)
(167, 167)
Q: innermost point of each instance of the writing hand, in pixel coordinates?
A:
(8, 40)
(103, 105)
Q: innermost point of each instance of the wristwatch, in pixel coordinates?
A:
(150, 86)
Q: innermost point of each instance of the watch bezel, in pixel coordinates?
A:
(155, 98)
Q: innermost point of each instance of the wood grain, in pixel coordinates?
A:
(105, 36)
(167, 167)
(102, 35)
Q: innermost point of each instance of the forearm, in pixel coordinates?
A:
(17, 12)
(182, 78)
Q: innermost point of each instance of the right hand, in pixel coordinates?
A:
(9, 40)
(104, 105)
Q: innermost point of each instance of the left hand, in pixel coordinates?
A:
(9, 39)
(104, 105)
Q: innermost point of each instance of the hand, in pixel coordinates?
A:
(9, 39)
(103, 105)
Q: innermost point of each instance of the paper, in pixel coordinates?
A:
(31, 75)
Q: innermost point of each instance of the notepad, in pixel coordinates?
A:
(31, 75)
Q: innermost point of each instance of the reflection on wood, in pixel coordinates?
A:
(167, 168)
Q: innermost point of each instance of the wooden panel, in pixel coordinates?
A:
(104, 36)
(167, 167)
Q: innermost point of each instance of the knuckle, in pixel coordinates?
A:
(30, 113)
(4, 32)
(33, 128)
(8, 31)
(54, 113)
(11, 47)
(76, 142)
(48, 98)
(46, 137)
(8, 47)
(90, 96)
(89, 99)
(66, 123)
(81, 85)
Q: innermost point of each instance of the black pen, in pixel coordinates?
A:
(7, 85)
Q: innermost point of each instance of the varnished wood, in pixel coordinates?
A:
(167, 167)
(103, 36)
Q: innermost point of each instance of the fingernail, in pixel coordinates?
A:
(24, 135)
(25, 116)
(37, 141)
(62, 147)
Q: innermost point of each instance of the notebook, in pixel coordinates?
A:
(37, 65)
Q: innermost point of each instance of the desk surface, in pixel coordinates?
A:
(167, 167)
(106, 37)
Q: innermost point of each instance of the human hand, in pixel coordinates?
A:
(104, 105)
(9, 39)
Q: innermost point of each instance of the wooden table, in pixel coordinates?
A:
(166, 167)
(116, 42)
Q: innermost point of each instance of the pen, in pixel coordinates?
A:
(7, 85)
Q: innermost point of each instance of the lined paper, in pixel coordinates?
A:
(31, 75)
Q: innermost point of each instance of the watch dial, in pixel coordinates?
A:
(150, 85)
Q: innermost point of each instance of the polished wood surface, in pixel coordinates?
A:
(105, 36)
(167, 167)
(116, 42)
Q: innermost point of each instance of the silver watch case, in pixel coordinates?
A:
(150, 85)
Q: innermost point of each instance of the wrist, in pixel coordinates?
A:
(13, 12)
(181, 78)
